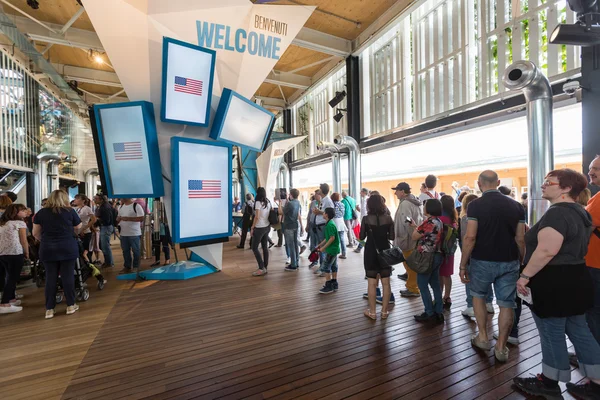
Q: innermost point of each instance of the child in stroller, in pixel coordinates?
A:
(83, 270)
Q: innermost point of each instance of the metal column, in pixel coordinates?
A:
(590, 104)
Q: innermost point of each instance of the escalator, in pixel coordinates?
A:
(12, 180)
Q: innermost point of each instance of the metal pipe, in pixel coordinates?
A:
(335, 163)
(44, 167)
(283, 178)
(90, 182)
(354, 178)
(526, 76)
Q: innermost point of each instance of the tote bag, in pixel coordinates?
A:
(421, 263)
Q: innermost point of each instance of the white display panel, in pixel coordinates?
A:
(245, 124)
(125, 147)
(202, 191)
(187, 83)
(241, 122)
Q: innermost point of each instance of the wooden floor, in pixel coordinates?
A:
(230, 335)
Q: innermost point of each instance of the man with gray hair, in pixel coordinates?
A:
(493, 248)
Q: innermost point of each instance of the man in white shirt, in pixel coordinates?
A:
(130, 217)
(429, 193)
(320, 221)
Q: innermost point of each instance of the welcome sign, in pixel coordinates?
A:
(224, 37)
(248, 40)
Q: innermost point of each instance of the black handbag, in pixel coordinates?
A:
(391, 256)
(387, 257)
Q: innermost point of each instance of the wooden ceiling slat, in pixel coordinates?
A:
(364, 11)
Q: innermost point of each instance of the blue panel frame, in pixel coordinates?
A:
(175, 190)
(158, 189)
(223, 109)
(163, 107)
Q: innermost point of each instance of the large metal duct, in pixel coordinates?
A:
(354, 179)
(90, 182)
(48, 172)
(526, 76)
(283, 177)
(336, 173)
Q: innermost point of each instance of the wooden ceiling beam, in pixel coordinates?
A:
(288, 80)
(323, 43)
(271, 102)
(88, 75)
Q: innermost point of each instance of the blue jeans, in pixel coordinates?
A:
(105, 233)
(320, 236)
(291, 246)
(432, 279)
(503, 275)
(329, 264)
(555, 358)
(490, 293)
(342, 236)
(131, 244)
(593, 314)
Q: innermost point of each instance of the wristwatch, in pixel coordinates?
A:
(525, 276)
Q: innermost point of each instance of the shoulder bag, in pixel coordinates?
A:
(420, 262)
(389, 257)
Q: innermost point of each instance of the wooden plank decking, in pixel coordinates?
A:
(229, 335)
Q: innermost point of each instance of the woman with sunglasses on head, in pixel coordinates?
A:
(561, 290)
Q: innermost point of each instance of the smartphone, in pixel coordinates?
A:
(408, 220)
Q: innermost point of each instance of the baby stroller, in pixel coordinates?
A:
(83, 270)
(38, 273)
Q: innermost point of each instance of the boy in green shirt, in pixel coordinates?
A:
(331, 247)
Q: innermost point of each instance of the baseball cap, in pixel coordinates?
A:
(403, 186)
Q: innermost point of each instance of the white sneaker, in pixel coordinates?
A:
(18, 296)
(468, 312)
(10, 309)
(49, 314)
(72, 309)
(288, 262)
(15, 302)
(490, 308)
(512, 340)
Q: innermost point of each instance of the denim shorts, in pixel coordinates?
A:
(503, 275)
(330, 264)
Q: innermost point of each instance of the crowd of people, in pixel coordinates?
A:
(62, 231)
(553, 266)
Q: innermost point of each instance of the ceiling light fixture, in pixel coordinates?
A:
(339, 97)
(585, 31)
(339, 115)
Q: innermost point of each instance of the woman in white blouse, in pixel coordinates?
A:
(13, 252)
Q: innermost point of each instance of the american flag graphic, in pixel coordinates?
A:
(128, 151)
(187, 85)
(204, 189)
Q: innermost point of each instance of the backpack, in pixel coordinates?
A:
(450, 236)
(273, 216)
(115, 213)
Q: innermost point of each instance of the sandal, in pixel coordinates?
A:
(369, 315)
(384, 315)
